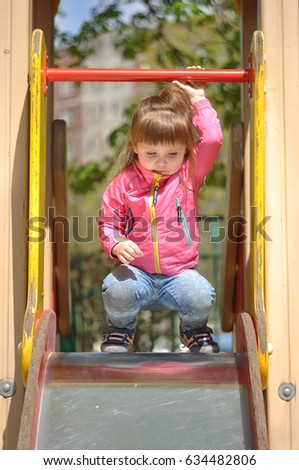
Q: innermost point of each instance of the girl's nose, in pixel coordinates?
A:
(161, 162)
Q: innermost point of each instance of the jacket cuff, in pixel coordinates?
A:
(198, 105)
(110, 246)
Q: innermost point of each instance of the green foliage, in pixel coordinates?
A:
(217, 175)
(85, 178)
(87, 272)
(163, 34)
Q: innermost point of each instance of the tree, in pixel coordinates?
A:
(163, 34)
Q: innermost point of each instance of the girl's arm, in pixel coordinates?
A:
(206, 123)
(111, 224)
(111, 220)
(208, 127)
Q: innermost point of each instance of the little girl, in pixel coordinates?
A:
(147, 222)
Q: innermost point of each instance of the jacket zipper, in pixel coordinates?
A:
(182, 219)
(152, 202)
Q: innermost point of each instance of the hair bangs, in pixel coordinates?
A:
(162, 127)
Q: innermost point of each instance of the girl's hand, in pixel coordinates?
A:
(195, 91)
(126, 251)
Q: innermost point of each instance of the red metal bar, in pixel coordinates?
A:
(145, 75)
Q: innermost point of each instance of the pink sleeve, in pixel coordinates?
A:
(207, 124)
(111, 220)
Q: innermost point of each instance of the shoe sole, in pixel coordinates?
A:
(114, 349)
(205, 350)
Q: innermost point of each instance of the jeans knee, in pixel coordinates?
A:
(211, 296)
(207, 298)
(117, 293)
(201, 300)
(123, 292)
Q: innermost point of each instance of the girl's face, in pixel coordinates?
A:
(165, 159)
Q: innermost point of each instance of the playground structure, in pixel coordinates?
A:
(266, 186)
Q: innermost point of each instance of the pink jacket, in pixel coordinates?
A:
(159, 213)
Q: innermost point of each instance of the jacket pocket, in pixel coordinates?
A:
(183, 221)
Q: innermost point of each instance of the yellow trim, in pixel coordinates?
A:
(257, 201)
(37, 175)
(154, 223)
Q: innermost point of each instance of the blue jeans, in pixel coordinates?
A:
(127, 290)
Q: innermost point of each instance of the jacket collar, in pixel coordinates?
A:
(148, 175)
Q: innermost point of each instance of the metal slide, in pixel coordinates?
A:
(142, 400)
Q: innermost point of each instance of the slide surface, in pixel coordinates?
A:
(144, 401)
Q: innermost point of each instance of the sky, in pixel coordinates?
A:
(75, 13)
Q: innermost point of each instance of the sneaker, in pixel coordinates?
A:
(118, 340)
(199, 340)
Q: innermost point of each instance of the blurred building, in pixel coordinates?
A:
(92, 110)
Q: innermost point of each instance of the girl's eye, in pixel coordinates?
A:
(173, 154)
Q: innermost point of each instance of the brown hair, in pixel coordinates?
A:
(162, 118)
